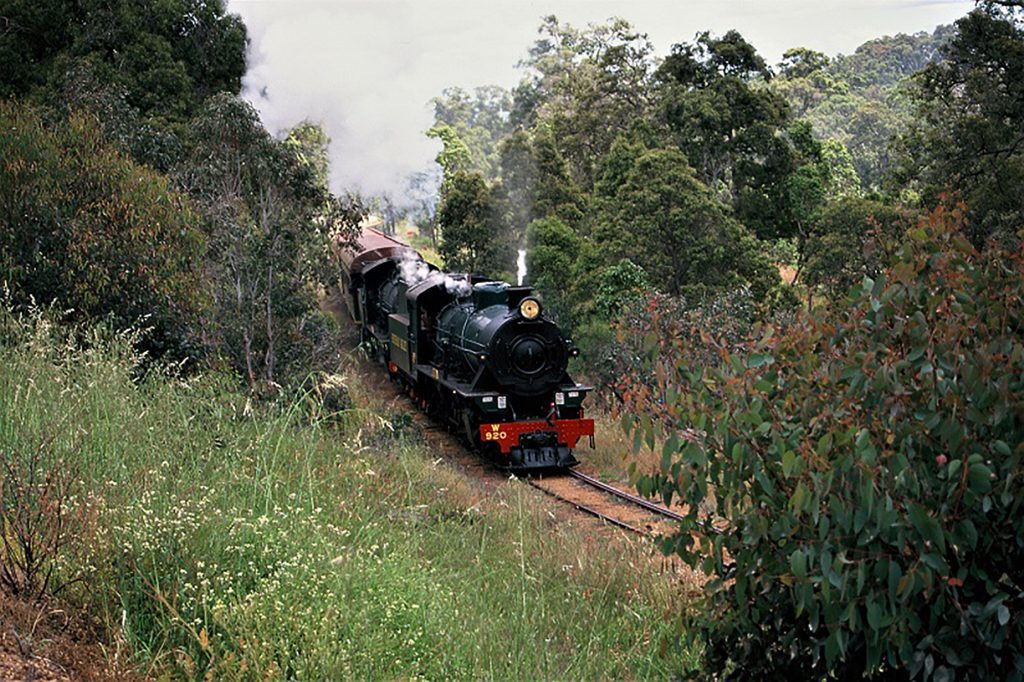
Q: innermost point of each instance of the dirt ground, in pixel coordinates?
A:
(42, 641)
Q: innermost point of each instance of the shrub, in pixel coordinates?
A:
(678, 328)
(849, 240)
(864, 465)
(82, 224)
(39, 518)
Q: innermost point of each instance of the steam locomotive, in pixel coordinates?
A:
(478, 355)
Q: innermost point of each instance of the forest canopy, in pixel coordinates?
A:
(142, 191)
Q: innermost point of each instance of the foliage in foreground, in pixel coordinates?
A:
(866, 465)
(252, 544)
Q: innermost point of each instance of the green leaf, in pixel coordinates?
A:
(824, 444)
(936, 562)
(798, 563)
(969, 532)
(895, 573)
(670, 447)
(832, 647)
(788, 462)
(927, 526)
(979, 478)
(796, 502)
(758, 359)
(874, 615)
(825, 560)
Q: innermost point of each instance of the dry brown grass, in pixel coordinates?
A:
(613, 453)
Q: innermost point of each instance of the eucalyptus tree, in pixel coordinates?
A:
(588, 86)
(729, 126)
(480, 119)
(166, 57)
(860, 99)
(474, 234)
(267, 214)
(969, 137)
(665, 220)
(84, 227)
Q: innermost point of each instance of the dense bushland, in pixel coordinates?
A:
(139, 189)
(859, 459)
(853, 478)
(87, 227)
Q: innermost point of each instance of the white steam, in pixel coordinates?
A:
(339, 65)
(521, 266)
(457, 285)
(367, 71)
(413, 270)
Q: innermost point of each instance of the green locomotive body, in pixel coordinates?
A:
(480, 356)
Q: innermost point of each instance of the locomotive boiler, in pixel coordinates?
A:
(480, 356)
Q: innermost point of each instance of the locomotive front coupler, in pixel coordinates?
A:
(538, 451)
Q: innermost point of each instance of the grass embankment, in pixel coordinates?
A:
(613, 458)
(276, 542)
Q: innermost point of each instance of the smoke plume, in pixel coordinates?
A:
(413, 270)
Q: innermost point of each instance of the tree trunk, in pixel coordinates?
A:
(270, 356)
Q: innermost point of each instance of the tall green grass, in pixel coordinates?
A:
(247, 541)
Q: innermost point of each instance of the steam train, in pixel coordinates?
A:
(479, 356)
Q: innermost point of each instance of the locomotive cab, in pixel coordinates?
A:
(425, 301)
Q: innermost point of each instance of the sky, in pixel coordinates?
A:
(367, 69)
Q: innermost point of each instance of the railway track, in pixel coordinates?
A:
(623, 495)
(584, 493)
(587, 509)
(606, 502)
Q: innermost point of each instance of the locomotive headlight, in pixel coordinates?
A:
(529, 308)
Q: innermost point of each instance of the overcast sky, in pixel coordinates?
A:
(367, 69)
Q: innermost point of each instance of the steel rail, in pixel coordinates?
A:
(646, 504)
(588, 510)
(639, 501)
